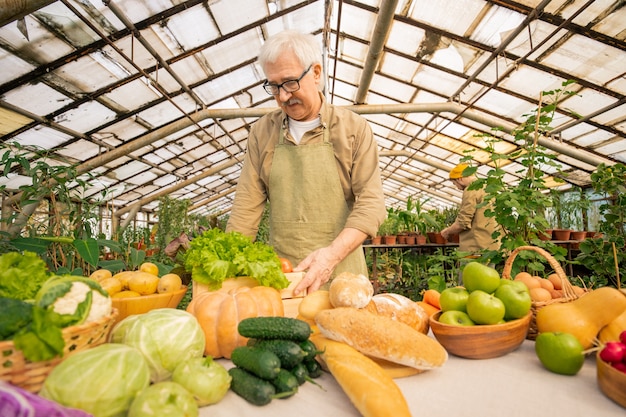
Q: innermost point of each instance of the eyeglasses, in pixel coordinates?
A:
(290, 86)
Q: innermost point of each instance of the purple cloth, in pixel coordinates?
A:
(17, 402)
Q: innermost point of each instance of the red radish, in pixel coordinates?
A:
(620, 366)
(622, 337)
(613, 352)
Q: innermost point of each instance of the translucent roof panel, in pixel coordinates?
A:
(155, 97)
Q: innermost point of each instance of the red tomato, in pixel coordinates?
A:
(285, 264)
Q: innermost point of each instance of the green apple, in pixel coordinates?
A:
(516, 299)
(455, 317)
(517, 284)
(560, 352)
(477, 276)
(454, 298)
(485, 308)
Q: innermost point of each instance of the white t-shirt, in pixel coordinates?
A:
(298, 129)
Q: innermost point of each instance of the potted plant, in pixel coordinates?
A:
(574, 208)
(390, 226)
(519, 207)
(417, 219)
(605, 256)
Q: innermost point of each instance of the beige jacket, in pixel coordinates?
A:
(477, 229)
(356, 157)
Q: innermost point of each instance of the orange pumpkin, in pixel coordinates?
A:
(219, 314)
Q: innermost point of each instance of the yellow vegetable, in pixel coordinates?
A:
(124, 277)
(101, 274)
(150, 268)
(111, 285)
(143, 282)
(583, 317)
(611, 332)
(169, 283)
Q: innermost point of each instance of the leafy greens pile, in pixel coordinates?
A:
(215, 256)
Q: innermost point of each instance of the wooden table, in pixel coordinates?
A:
(515, 385)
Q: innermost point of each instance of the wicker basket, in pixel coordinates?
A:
(15, 369)
(568, 290)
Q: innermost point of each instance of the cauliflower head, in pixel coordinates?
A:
(74, 300)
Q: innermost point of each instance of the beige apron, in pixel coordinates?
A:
(307, 205)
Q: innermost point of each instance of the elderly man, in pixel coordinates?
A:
(315, 163)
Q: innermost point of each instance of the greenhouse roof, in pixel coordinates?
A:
(156, 97)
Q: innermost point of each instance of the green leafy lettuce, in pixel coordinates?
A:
(21, 275)
(215, 256)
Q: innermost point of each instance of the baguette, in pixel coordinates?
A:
(370, 389)
(381, 337)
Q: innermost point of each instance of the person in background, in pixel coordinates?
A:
(474, 229)
(317, 166)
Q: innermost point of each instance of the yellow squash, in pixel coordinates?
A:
(611, 332)
(583, 317)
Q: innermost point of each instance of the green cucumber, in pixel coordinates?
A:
(285, 384)
(301, 373)
(274, 328)
(251, 388)
(288, 351)
(310, 349)
(261, 362)
(314, 368)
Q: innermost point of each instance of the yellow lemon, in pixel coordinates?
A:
(150, 268)
(143, 282)
(169, 283)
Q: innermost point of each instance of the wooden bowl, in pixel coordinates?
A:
(139, 305)
(480, 341)
(611, 381)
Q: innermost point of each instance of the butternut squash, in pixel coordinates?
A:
(583, 317)
(610, 332)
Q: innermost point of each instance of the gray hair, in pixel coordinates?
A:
(303, 45)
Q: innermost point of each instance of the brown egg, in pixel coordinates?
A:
(530, 281)
(546, 283)
(556, 281)
(540, 294)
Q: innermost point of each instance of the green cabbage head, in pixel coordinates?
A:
(103, 380)
(165, 337)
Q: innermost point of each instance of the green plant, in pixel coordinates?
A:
(47, 216)
(415, 217)
(519, 207)
(391, 225)
(604, 257)
(572, 209)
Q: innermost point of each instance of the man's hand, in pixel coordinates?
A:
(319, 266)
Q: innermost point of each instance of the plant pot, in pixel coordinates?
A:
(436, 237)
(578, 235)
(454, 238)
(420, 240)
(401, 240)
(376, 240)
(390, 240)
(561, 234)
(410, 240)
(545, 235)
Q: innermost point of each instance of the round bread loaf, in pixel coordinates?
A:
(350, 290)
(402, 309)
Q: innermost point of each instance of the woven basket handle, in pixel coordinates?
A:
(566, 285)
